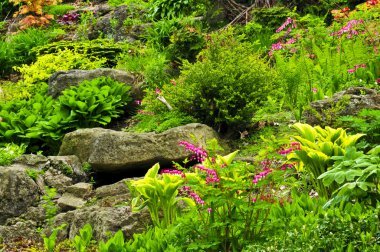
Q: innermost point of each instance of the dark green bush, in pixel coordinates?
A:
(226, 86)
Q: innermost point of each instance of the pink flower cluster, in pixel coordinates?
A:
(261, 175)
(278, 46)
(212, 176)
(200, 153)
(356, 67)
(288, 21)
(289, 166)
(293, 146)
(197, 198)
(348, 29)
(173, 172)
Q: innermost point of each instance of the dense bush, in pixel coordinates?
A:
(226, 86)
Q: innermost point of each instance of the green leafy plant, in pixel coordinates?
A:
(158, 194)
(317, 148)
(358, 176)
(216, 91)
(115, 243)
(83, 240)
(367, 120)
(51, 240)
(58, 10)
(48, 204)
(10, 152)
(161, 9)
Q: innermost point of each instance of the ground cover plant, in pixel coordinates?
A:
(283, 185)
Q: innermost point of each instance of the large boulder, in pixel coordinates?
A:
(118, 152)
(347, 102)
(62, 80)
(17, 191)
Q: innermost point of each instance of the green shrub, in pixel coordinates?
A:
(180, 38)
(18, 48)
(148, 63)
(226, 86)
(161, 9)
(47, 64)
(10, 152)
(98, 48)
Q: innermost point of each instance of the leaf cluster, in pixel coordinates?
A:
(44, 121)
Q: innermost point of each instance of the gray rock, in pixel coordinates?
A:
(347, 102)
(32, 160)
(70, 202)
(58, 180)
(114, 151)
(80, 190)
(17, 191)
(103, 220)
(111, 195)
(70, 166)
(62, 80)
(27, 230)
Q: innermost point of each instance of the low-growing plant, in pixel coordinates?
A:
(51, 240)
(159, 195)
(83, 240)
(367, 120)
(48, 64)
(58, 10)
(149, 122)
(48, 204)
(317, 147)
(10, 152)
(357, 175)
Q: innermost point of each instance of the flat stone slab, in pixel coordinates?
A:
(115, 151)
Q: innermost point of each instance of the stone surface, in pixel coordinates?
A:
(62, 80)
(70, 166)
(116, 152)
(17, 191)
(32, 160)
(110, 195)
(324, 112)
(56, 179)
(103, 220)
(80, 190)
(70, 202)
(27, 230)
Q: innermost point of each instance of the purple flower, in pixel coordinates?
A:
(315, 90)
(138, 102)
(209, 209)
(157, 91)
(197, 198)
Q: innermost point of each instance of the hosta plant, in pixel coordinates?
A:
(317, 147)
(358, 176)
(159, 194)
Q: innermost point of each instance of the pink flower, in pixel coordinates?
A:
(286, 23)
(254, 200)
(157, 91)
(315, 90)
(138, 102)
(200, 154)
(173, 82)
(351, 70)
(173, 172)
(209, 209)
